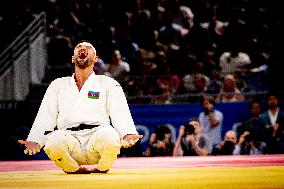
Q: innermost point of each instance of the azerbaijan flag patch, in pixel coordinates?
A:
(93, 95)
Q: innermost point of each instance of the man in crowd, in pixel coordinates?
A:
(191, 141)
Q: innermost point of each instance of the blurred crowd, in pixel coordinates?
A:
(261, 133)
(164, 47)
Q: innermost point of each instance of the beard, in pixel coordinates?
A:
(272, 106)
(82, 63)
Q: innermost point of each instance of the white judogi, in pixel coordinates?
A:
(65, 106)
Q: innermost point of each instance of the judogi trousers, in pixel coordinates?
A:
(70, 149)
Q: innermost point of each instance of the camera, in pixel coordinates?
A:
(189, 129)
(249, 138)
(161, 130)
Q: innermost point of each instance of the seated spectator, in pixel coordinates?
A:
(100, 67)
(229, 91)
(200, 82)
(191, 141)
(233, 61)
(118, 69)
(59, 47)
(250, 133)
(256, 73)
(168, 85)
(227, 146)
(194, 84)
(160, 142)
(215, 83)
(254, 124)
(249, 145)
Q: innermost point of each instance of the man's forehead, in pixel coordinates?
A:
(87, 44)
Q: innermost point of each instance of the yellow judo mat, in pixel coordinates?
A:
(242, 172)
(159, 178)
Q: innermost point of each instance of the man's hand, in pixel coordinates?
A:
(130, 140)
(181, 131)
(242, 137)
(153, 138)
(31, 147)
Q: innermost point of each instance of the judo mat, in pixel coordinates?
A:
(255, 171)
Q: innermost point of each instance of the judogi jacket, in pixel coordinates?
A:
(100, 101)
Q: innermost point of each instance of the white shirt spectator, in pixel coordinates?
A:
(232, 64)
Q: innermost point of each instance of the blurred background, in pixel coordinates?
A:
(167, 54)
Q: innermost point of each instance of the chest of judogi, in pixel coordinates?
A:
(85, 106)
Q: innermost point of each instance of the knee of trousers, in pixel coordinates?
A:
(109, 139)
(109, 148)
(56, 141)
(56, 147)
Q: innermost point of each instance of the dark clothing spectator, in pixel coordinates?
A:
(160, 143)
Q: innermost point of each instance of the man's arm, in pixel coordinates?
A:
(201, 150)
(120, 115)
(45, 121)
(177, 151)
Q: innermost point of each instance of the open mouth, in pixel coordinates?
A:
(82, 54)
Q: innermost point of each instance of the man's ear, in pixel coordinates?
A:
(95, 59)
(72, 59)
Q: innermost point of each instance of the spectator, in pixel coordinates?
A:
(249, 132)
(168, 85)
(257, 72)
(249, 145)
(59, 47)
(215, 83)
(160, 143)
(100, 67)
(229, 91)
(200, 82)
(227, 146)
(254, 124)
(130, 50)
(191, 141)
(233, 61)
(118, 69)
(195, 84)
(211, 120)
(272, 119)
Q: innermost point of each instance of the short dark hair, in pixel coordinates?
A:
(272, 93)
(255, 101)
(193, 119)
(161, 130)
(209, 98)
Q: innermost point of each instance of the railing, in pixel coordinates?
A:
(23, 62)
(189, 98)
